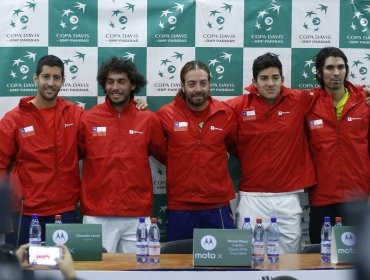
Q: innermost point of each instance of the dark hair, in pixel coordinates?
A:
(191, 65)
(117, 65)
(322, 56)
(49, 60)
(265, 61)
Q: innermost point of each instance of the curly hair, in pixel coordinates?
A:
(116, 65)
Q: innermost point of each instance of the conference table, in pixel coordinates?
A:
(180, 266)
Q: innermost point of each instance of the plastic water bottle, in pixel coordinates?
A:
(338, 222)
(247, 225)
(58, 219)
(141, 242)
(258, 255)
(273, 242)
(35, 231)
(154, 242)
(326, 241)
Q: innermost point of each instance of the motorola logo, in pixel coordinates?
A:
(208, 242)
(60, 237)
(348, 238)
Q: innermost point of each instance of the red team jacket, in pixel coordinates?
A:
(340, 149)
(197, 164)
(271, 142)
(116, 178)
(45, 169)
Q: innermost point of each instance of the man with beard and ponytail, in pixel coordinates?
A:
(199, 131)
(116, 140)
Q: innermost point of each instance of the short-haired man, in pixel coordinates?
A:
(116, 141)
(272, 149)
(199, 131)
(39, 147)
(339, 141)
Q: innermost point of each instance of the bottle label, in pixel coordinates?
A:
(325, 248)
(258, 248)
(142, 248)
(154, 249)
(273, 248)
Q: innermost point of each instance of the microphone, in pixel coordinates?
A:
(20, 220)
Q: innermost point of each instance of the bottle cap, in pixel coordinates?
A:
(247, 220)
(58, 217)
(153, 220)
(273, 220)
(338, 219)
(35, 216)
(327, 219)
(259, 220)
(141, 220)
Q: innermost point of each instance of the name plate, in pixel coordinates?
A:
(222, 247)
(343, 245)
(84, 241)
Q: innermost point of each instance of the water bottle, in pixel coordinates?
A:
(247, 226)
(58, 219)
(141, 242)
(258, 255)
(338, 222)
(35, 231)
(154, 243)
(273, 242)
(326, 241)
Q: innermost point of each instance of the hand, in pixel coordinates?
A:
(141, 104)
(66, 264)
(367, 90)
(22, 255)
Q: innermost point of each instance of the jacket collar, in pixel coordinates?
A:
(130, 106)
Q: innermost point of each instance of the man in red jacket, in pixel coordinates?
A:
(116, 141)
(339, 141)
(39, 148)
(199, 131)
(272, 149)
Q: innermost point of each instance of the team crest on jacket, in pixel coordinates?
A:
(27, 131)
(99, 131)
(249, 114)
(180, 126)
(314, 124)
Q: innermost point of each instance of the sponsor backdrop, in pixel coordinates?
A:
(160, 36)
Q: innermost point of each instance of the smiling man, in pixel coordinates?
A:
(339, 141)
(272, 150)
(116, 141)
(199, 130)
(39, 148)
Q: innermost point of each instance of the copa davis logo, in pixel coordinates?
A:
(307, 76)
(70, 24)
(60, 237)
(20, 73)
(168, 69)
(19, 23)
(359, 23)
(168, 22)
(359, 69)
(265, 24)
(72, 66)
(216, 22)
(208, 243)
(350, 240)
(312, 24)
(118, 20)
(218, 66)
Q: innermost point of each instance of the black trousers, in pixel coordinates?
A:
(349, 211)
